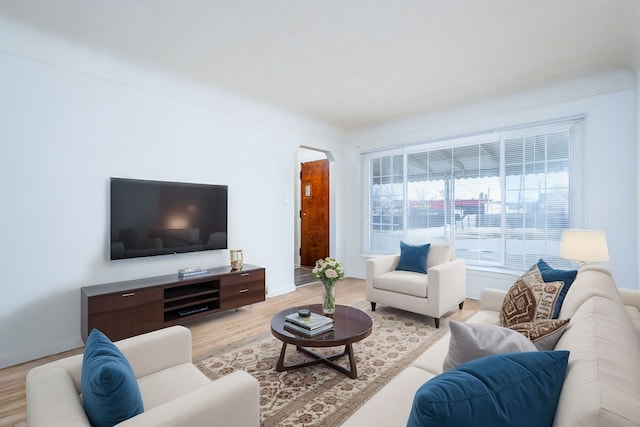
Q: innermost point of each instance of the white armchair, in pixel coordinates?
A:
(174, 391)
(433, 294)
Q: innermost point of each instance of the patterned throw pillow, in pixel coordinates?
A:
(529, 299)
(519, 304)
(543, 333)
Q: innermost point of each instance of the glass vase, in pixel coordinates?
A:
(328, 297)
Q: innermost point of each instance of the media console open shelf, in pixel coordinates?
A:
(132, 307)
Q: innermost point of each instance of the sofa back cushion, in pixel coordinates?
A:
(439, 253)
(602, 386)
(591, 281)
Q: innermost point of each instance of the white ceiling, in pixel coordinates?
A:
(355, 63)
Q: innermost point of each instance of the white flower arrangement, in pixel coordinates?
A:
(328, 268)
(329, 271)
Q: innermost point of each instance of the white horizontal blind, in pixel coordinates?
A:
(502, 197)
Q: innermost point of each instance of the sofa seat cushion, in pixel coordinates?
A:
(391, 405)
(404, 282)
(184, 378)
(603, 380)
(432, 359)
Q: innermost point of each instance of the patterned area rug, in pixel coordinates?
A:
(318, 395)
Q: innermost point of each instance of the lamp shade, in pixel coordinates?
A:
(584, 245)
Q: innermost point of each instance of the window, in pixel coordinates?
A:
(503, 197)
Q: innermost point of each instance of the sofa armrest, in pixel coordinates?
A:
(447, 286)
(630, 297)
(491, 299)
(229, 401)
(52, 399)
(169, 347)
(157, 350)
(380, 265)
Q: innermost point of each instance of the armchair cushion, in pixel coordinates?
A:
(110, 390)
(413, 258)
(404, 282)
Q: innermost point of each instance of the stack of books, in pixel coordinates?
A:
(183, 273)
(315, 324)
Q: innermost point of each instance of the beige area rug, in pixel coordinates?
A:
(318, 395)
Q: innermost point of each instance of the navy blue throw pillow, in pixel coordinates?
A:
(510, 389)
(413, 258)
(110, 391)
(550, 274)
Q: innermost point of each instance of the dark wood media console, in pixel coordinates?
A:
(133, 307)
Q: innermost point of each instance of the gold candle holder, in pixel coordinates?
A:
(236, 259)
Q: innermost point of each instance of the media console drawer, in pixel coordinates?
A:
(242, 289)
(125, 309)
(125, 299)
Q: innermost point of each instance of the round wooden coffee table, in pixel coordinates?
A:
(351, 325)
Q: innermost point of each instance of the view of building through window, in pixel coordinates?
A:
(504, 199)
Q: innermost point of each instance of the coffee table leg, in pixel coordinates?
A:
(280, 365)
(353, 373)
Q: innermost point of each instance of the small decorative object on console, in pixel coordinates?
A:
(329, 271)
(236, 259)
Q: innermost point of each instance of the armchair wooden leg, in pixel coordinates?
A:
(437, 319)
(373, 306)
(461, 305)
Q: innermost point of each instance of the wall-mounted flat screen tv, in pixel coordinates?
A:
(159, 218)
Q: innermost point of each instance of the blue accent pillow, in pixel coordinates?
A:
(550, 274)
(110, 391)
(413, 258)
(511, 389)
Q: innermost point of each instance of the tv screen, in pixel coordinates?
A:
(157, 218)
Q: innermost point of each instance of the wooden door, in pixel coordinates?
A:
(314, 212)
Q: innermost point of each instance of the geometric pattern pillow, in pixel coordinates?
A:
(543, 333)
(529, 299)
(547, 295)
(519, 304)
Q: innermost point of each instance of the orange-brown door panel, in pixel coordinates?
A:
(314, 213)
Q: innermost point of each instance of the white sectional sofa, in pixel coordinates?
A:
(602, 383)
(174, 391)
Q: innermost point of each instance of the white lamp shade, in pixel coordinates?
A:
(584, 245)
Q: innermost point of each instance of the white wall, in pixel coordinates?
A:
(638, 168)
(611, 186)
(70, 119)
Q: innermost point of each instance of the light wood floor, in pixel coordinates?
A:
(208, 333)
